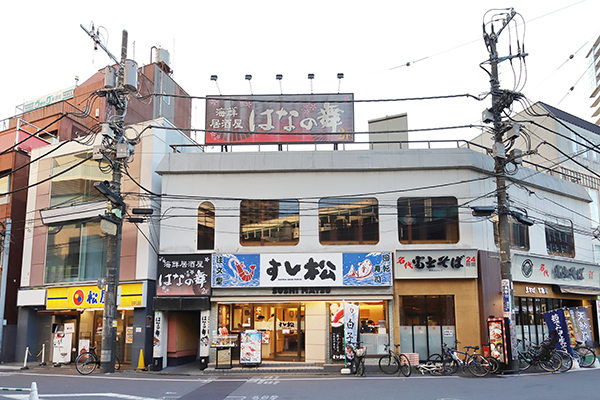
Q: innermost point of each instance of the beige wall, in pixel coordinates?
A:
(315, 340)
(466, 304)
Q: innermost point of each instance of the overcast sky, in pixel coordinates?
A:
(44, 48)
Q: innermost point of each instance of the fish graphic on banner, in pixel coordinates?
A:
(236, 270)
(367, 269)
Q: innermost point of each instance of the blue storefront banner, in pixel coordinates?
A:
(557, 322)
(367, 269)
(236, 270)
(302, 270)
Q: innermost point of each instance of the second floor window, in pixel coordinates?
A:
(76, 186)
(519, 234)
(5, 187)
(559, 240)
(269, 222)
(348, 221)
(206, 226)
(428, 220)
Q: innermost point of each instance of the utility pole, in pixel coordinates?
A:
(501, 100)
(3, 282)
(115, 149)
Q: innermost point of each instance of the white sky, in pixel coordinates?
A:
(44, 48)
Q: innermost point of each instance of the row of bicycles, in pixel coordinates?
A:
(451, 360)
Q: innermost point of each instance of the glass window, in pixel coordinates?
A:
(348, 221)
(269, 222)
(519, 233)
(428, 220)
(206, 226)
(559, 240)
(76, 186)
(75, 252)
(4, 186)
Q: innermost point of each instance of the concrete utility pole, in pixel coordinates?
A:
(115, 149)
(500, 101)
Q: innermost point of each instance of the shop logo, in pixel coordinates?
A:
(527, 268)
(78, 297)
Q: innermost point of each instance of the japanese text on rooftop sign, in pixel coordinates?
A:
(280, 119)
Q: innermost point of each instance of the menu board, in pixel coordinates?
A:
(497, 339)
(251, 347)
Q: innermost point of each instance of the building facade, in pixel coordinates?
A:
(292, 236)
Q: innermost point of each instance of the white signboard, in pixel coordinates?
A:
(158, 335)
(318, 269)
(526, 268)
(419, 264)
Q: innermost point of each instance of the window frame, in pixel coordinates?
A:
(513, 224)
(263, 228)
(561, 228)
(452, 225)
(205, 233)
(348, 227)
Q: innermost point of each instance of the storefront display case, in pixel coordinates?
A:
(224, 344)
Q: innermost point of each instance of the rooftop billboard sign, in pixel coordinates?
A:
(308, 118)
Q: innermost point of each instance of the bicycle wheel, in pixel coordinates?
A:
(567, 360)
(405, 367)
(360, 368)
(388, 364)
(478, 365)
(585, 356)
(117, 363)
(494, 364)
(449, 366)
(86, 363)
(552, 363)
(353, 365)
(524, 363)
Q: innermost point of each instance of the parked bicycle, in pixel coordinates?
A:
(356, 355)
(477, 364)
(394, 361)
(87, 362)
(543, 355)
(433, 368)
(567, 360)
(584, 355)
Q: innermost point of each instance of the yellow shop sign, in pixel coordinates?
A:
(77, 297)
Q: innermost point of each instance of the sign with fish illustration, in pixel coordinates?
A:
(236, 270)
(367, 269)
(302, 270)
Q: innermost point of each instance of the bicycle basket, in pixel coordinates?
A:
(360, 351)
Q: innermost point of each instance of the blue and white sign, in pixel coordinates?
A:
(236, 270)
(367, 269)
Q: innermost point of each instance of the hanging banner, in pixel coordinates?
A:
(557, 322)
(351, 315)
(582, 326)
(309, 118)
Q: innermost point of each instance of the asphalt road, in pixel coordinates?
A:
(147, 386)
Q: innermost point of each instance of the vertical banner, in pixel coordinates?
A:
(506, 306)
(336, 311)
(204, 348)
(557, 322)
(157, 350)
(598, 314)
(350, 327)
(582, 326)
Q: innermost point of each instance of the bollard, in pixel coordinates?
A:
(43, 363)
(25, 360)
(33, 395)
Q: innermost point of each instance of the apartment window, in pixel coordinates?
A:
(269, 222)
(4, 186)
(75, 252)
(76, 186)
(206, 226)
(559, 240)
(428, 220)
(519, 234)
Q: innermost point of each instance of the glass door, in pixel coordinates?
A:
(289, 332)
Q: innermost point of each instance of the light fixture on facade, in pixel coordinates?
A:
(214, 78)
(340, 76)
(249, 79)
(279, 77)
(311, 77)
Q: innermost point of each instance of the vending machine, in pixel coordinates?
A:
(62, 343)
(499, 335)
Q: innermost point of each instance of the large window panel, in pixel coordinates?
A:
(559, 240)
(428, 220)
(4, 186)
(206, 226)
(348, 221)
(75, 252)
(269, 222)
(76, 186)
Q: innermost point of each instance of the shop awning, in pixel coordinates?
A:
(580, 290)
